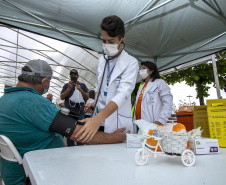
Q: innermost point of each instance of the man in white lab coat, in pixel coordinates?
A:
(116, 79)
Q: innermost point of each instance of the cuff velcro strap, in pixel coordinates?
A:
(64, 125)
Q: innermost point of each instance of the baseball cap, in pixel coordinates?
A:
(38, 68)
(74, 71)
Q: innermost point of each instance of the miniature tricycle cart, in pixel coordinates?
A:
(169, 144)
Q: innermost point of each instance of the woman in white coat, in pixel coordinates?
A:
(116, 79)
(154, 100)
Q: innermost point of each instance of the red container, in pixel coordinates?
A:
(185, 116)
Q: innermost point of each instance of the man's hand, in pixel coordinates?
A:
(103, 138)
(158, 123)
(61, 104)
(78, 87)
(67, 91)
(92, 124)
(89, 106)
(70, 85)
(84, 94)
(119, 135)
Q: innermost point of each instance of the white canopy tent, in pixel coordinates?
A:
(18, 47)
(170, 33)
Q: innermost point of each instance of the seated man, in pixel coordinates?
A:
(32, 122)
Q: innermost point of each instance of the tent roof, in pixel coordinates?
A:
(167, 32)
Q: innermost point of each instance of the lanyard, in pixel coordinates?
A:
(109, 74)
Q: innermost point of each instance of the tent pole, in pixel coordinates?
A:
(45, 26)
(202, 50)
(218, 11)
(126, 26)
(216, 76)
(222, 34)
(162, 4)
(52, 26)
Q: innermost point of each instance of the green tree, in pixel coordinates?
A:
(200, 76)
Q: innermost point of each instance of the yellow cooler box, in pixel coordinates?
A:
(201, 120)
(216, 111)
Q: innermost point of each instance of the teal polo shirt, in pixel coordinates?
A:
(25, 117)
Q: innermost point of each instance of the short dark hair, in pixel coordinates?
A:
(29, 78)
(151, 66)
(92, 94)
(73, 71)
(114, 26)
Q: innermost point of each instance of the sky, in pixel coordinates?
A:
(180, 91)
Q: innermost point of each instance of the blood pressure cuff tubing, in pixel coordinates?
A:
(63, 125)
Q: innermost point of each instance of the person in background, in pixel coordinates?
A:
(59, 103)
(28, 119)
(116, 79)
(74, 95)
(154, 100)
(50, 97)
(90, 100)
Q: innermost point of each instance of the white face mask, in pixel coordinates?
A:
(144, 73)
(110, 49)
(76, 97)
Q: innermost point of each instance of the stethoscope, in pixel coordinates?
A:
(106, 59)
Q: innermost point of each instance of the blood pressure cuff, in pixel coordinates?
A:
(63, 125)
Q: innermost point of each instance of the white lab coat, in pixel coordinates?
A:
(121, 85)
(157, 102)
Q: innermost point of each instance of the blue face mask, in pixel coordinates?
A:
(45, 91)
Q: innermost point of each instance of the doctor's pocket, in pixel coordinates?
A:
(125, 121)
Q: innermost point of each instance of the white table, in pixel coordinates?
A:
(115, 165)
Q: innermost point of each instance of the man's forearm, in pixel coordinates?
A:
(65, 94)
(102, 137)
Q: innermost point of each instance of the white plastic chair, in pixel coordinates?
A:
(9, 152)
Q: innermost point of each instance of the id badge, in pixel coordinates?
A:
(105, 90)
